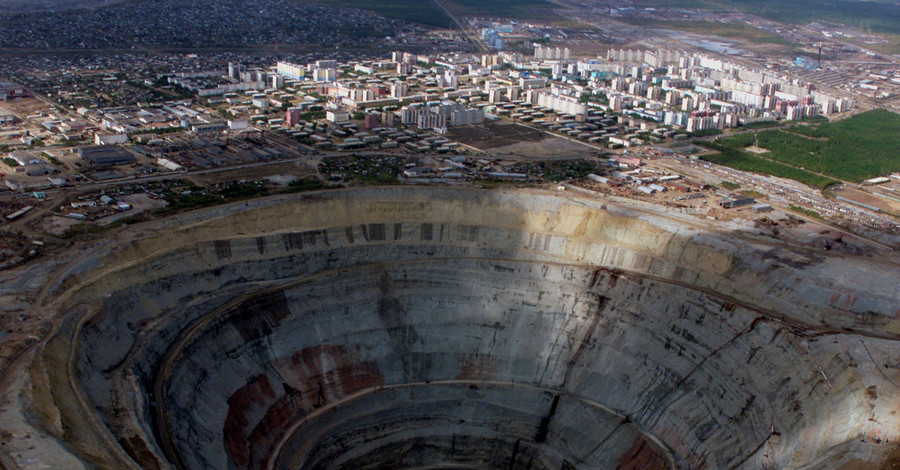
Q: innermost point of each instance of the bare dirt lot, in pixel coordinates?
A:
(140, 202)
(882, 203)
(495, 134)
(756, 150)
(57, 225)
(509, 139)
(551, 147)
(23, 107)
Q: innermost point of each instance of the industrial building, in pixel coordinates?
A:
(736, 201)
(10, 90)
(110, 139)
(105, 155)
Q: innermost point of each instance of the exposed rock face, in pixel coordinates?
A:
(443, 328)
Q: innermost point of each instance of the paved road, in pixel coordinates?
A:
(474, 40)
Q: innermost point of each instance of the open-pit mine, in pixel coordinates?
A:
(427, 328)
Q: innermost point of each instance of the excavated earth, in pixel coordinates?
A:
(452, 328)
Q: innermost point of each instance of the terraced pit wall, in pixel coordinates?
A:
(459, 328)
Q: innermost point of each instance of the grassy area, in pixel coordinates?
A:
(515, 9)
(313, 115)
(51, 158)
(425, 12)
(727, 30)
(857, 148)
(10, 162)
(574, 25)
(380, 177)
(815, 119)
(737, 140)
(764, 124)
(753, 194)
(875, 16)
(557, 170)
(806, 212)
(705, 132)
(729, 185)
(305, 184)
(881, 17)
(693, 4)
(740, 160)
(890, 46)
(187, 196)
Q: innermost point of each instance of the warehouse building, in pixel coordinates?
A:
(105, 155)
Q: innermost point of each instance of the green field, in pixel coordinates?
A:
(740, 160)
(737, 140)
(878, 16)
(727, 30)
(514, 9)
(427, 11)
(417, 11)
(763, 124)
(870, 16)
(729, 185)
(806, 212)
(854, 149)
(874, 16)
